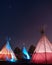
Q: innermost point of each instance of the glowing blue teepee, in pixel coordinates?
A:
(13, 59)
(25, 53)
(7, 50)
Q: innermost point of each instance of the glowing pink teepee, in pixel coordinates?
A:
(43, 52)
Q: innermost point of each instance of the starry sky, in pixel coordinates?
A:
(21, 21)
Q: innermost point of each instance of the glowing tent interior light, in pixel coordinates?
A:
(7, 54)
(26, 55)
(43, 51)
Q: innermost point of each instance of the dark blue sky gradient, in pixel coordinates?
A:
(21, 20)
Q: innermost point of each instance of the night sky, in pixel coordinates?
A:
(21, 21)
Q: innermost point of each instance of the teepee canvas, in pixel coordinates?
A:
(25, 53)
(7, 54)
(43, 51)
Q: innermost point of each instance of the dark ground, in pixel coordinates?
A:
(19, 63)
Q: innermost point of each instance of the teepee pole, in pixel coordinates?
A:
(45, 52)
(43, 33)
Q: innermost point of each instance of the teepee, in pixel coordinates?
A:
(43, 52)
(25, 53)
(7, 54)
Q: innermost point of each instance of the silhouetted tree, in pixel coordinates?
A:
(18, 53)
(31, 49)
